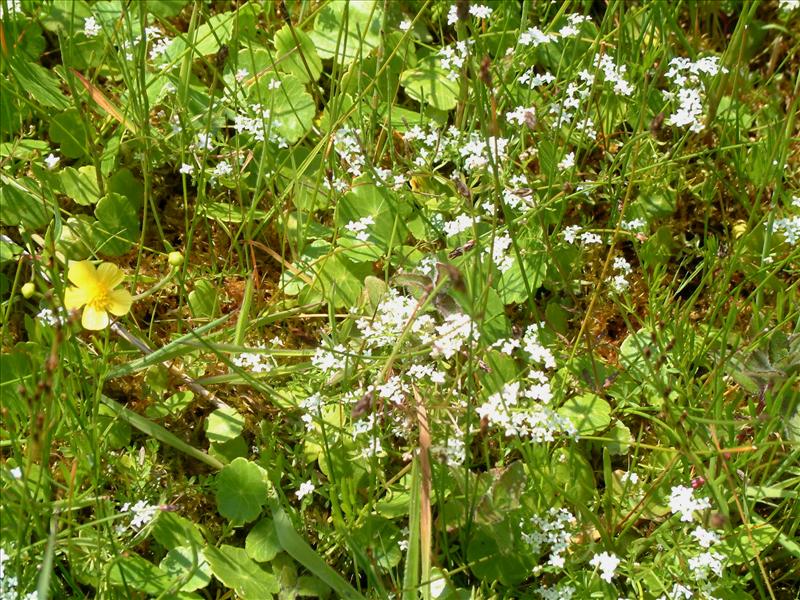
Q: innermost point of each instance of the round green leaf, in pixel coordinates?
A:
(224, 424)
(428, 84)
(291, 108)
(188, 564)
(139, 574)
(588, 412)
(117, 227)
(80, 184)
(241, 491)
(262, 543)
(240, 573)
(621, 438)
(293, 58)
(346, 31)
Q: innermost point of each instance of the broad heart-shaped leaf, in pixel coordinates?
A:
(588, 412)
(224, 424)
(428, 84)
(240, 573)
(262, 542)
(117, 227)
(67, 130)
(291, 108)
(187, 563)
(137, 573)
(293, 58)
(346, 31)
(621, 439)
(241, 491)
(204, 299)
(80, 184)
(494, 556)
(338, 280)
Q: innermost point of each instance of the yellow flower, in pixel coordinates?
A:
(94, 287)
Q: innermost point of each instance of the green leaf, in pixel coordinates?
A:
(39, 84)
(68, 130)
(346, 31)
(173, 531)
(224, 212)
(428, 84)
(214, 32)
(230, 450)
(511, 284)
(21, 207)
(240, 573)
(224, 424)
(621, 439)
(748, 541)
(588, 412)
(117, 227)
(262, 543)
(291, 108)
(204, 300)
(293, 57)
(188, 564)
(241, 491)
(80, 184)
(135, 572)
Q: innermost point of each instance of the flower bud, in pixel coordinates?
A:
(175, 259)
(28, 290)
(739, 229)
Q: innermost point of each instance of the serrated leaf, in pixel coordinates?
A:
(241, 491)
(240, 573)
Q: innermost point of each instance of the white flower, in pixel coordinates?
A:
(329, 361)
(788, 5)
(459, 224)
(479, 11)
(452, 15)
(187, 169)
(360, 228)
(567, 162)
(704, 537)
(499, 252)
(90, 27)
(274, 84)
(619, 283)
(222, 169)
(14, 7)
(142, 512)
(405, 25)
(257, 362)
(690, 110)
(51, 161)
(16, 473)
(535, 37)
(629, 477)
(241, 74)
(681, 501)
(306, 488)
(50, 318)
(705, 563)
(607, 564)
(203, 141)
(456, 329)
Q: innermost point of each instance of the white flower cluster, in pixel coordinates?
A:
(457, 329)
(453, 453)
(311, 408)
(573, 22)
(532, 345)
(607, 564)
(9, 583)
(551, 532)
(566, 110)
(459, 224)
(348, 147)
(390, 319)
(91, 27)
(686, 76)
(360, 228)
(258, 122)
(478, 151)
(586, 238)
(521, 115)
(141, 513)
(614, 73)
(557, 592)
(534, 36)
(257, 362)
(385, 176)
(788, 5)
(306, 488)
(512, 411)
(534, 80)
(51, 318)
(502, 259)
(619, 283)
(330, 361)
(789, 227)
(453, 58)
(682, 500)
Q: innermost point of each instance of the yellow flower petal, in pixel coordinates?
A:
(74, 298)
(82, 273)
(110, 275)
(94, 319)
(119, 302)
